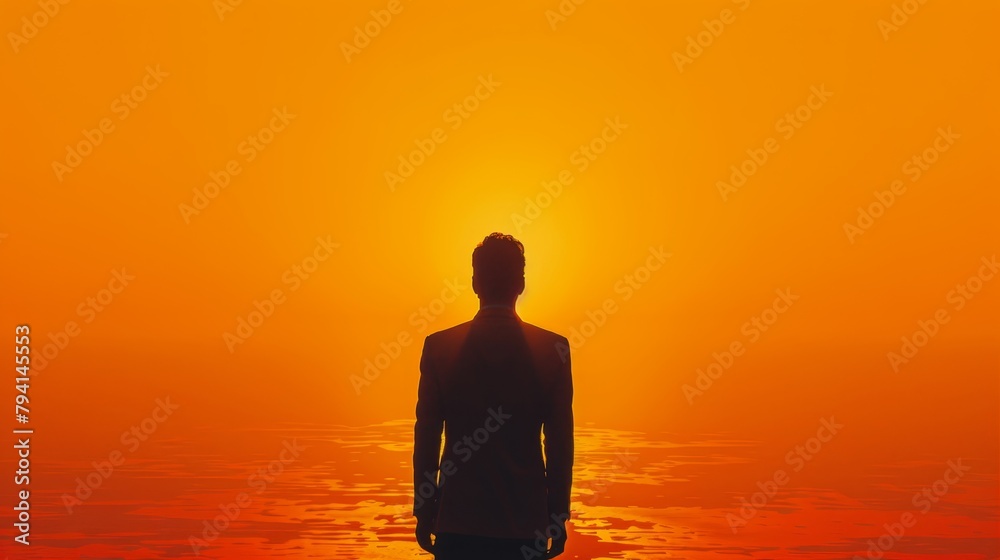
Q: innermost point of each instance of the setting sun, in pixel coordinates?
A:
(767, 230)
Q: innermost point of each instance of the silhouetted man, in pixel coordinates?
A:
(495, 384)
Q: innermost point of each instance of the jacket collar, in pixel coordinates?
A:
(496, 311)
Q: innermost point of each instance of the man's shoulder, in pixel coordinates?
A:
(459, 331)
(545, 335)
(551, 349)
(451, 333)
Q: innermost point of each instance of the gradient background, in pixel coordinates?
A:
(655, 185)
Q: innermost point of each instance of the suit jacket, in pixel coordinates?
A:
(496, 384)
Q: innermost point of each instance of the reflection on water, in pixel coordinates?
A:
(343, 492)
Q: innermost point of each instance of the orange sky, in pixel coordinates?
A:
(265, 100)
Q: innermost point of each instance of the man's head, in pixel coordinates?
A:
(498, 269)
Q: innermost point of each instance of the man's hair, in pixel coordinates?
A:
(498, 265)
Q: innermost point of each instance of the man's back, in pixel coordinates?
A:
(494, 383)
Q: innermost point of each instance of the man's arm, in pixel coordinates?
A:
(427, 439)
(558, 429)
